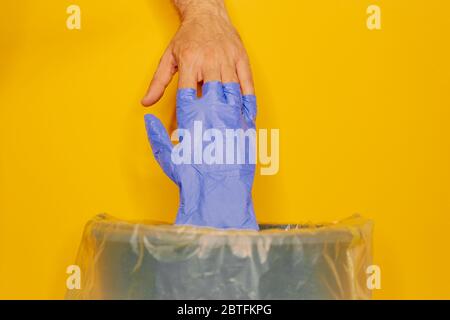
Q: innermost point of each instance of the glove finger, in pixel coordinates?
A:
(161, 145)
(186, 96)
(232, 92)
(249, 108)
(214, 90)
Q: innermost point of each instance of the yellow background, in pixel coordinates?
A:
(364, 120)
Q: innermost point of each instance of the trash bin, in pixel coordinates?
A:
(138, 260)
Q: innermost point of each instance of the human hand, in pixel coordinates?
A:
(206, 48)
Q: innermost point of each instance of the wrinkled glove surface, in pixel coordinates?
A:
(218, 194)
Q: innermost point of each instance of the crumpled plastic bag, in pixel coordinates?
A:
(138, 260)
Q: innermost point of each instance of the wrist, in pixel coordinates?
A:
(201, 9)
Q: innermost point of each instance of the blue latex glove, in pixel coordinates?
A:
(212, 195)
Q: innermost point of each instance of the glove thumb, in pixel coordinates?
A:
(161, 145)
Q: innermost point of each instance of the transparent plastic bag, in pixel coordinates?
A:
(139, 260)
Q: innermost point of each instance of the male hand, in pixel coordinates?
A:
(206, 48)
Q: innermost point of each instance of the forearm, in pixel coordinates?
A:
(197, 8)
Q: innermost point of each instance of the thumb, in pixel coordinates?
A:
(161, 79)
(161, 145)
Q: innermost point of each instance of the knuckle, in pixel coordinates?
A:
(187, 54)
(243, 57)
(210, 55)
